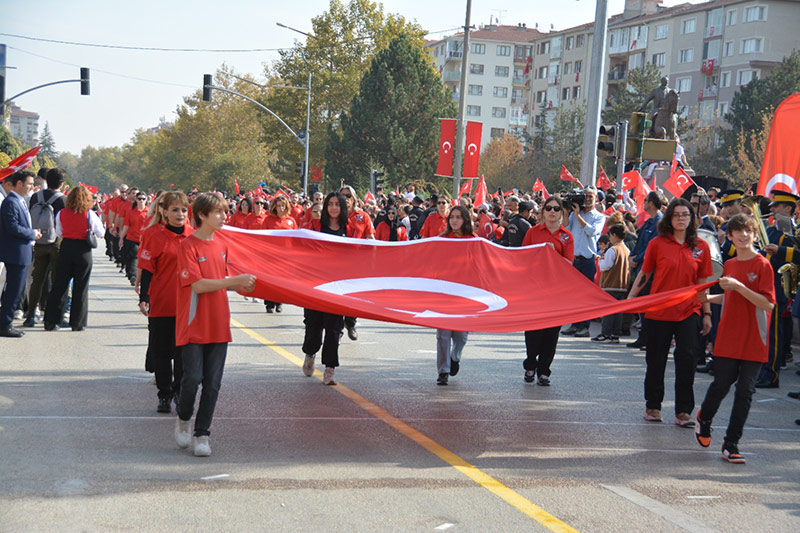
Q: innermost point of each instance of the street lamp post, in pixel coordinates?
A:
(462, 104)
(83, 80)
(589, 156)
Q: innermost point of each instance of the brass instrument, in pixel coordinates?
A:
(753, 203)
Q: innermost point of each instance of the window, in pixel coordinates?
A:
(543, 48)
(570, 43)
(501, 72)
(722, 108)
(612, 39)
(500, 92)
(686, 55)
(579, 41)
(503, 50)
(516, 94)
(478, 48)
(498, 132)
(499, 112)
(730, 20)
(576, 92)
(752, 46)
(711, 49)
(728, 49)
(522, 51)
(541, 96)
(684, 85)
(659, 60)
(746, 76)
(662, 30)
(754, 14)
(567, 68)
(578, 66)
(688, 26)
(541, 73)
(475, 90)
(565, 93)
(474, 110)
(725, 80)
(476, 69)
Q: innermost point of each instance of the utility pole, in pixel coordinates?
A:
(593, 107)
(462, 107)
(622, 153)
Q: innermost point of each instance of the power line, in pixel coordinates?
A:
(144, 48)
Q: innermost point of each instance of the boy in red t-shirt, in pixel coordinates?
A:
(742, 344)
(202, 325)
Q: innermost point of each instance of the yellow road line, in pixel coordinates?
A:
(475, 474)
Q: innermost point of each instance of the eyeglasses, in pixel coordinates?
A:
(681, 215)
(260, 203)
(552, 208)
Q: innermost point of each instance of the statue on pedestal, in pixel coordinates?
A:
(665, 111)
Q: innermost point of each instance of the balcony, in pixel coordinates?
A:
(713, 31)
(710, 92)
(616, 75)
(453, 55)
(520, 120)
(518, 80)
(518, 100)
(521, 59)
(451, 76)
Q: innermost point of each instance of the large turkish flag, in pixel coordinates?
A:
(472, 149)
(462, 285)
(781, 169)
(447, 140)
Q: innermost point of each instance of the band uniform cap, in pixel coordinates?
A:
(731, 195)
(780, 196)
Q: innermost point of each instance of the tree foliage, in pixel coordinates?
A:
(746, 155)
(558, 141)
(47, 142)
(393, 120)
(501, 162)
(630, 98)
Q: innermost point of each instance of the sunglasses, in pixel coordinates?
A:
(260, 203)
(142, 198)
(552, 208)
(442, 203)
(317, 211)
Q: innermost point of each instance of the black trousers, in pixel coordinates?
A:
(166, 356)
(203, 364)
(130, 258)
(45, 257)
(75, 264)
(771, 370)
(318, 323)
(540, 345)
(728, 371)
(687, 343)
(109, 244)
(115, 249)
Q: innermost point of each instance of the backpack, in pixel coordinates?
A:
(43, 217)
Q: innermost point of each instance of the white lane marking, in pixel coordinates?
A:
(422, 351)
(367, 343)
(218, 476)
(765, 400)
(263, 364)
(387, 359)
(559, 402)
(703, 497)
(135, 377)
(607, 377)
(446, 525)
(670, 514)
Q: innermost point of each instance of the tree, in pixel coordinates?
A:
(8, 144)
(555, 143)
(393, 120)
(630, 97)
(747, 153)
(500, 162)
(47, 143)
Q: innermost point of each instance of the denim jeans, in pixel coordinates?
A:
(449, 345)
(202, 364)
(588, 269)
(728, 371)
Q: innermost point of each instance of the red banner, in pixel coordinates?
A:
(781, 168)
(369, 196)
(447, 141)
(481, 192)
(386, 281)
(472, 149)
(566, 175)
(19, 163)
(678, 182)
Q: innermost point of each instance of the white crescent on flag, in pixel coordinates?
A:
(472, 148)
(782, 179)
(446, 146)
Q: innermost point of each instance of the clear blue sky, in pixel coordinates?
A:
(118, 106)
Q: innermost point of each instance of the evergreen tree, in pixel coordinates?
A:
(47, 143)
(393, 122)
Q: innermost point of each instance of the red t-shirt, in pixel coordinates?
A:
(297, 212)
(676, 265)
(135, 220)
(562, 240)
(359, 225)
(238, 220)
(383, 232)
(158, 254)
(743, 331)
(434, 225)
(201, 318)
(253, 221)
(275, 222)
(123, 208)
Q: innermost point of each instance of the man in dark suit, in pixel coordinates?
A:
(16, 246)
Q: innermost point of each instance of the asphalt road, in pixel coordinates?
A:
(82, 448)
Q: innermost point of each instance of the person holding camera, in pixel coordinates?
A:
(585, 223)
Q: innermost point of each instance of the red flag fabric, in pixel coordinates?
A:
(91, 188)
(508, 192)
(566, 175)
(236, 186)
(258, 191)
(387, 281)
(484, 227)
(539, 186)
(19, 163)
(641, 192)
(466, 188)
(610, 211)
(678, 182)
(369, 196)
(481, 192)
(603, 181)
(280, 192)
(472, 149)
(631, 179)
(781, 168)
(447, 141)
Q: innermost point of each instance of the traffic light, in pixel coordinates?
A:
(377, 180)
(84, 81)
(300, 167)
(607, 143)
(207, 87)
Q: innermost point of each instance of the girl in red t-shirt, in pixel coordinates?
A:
(391, 229)
(239, 218)
(278, 218)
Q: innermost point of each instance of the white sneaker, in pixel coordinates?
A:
(328, 378)
(183, 433)
(308, 366)
(201, 446)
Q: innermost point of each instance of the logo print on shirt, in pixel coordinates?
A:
(697, 252)
(185, 274)
(201, 259)
(751, 276)
(146, 255)
(564, 237)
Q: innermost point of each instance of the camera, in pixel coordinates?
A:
(577, 198)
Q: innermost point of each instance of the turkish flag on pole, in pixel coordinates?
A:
(781, 168)
(631, 179)
(603, 182)
(472, 149)
(280, 192)
(481, 192)
(641, 192)
(316, 173)
(236, 186)
(447, 140)
(386, 281)
(678, 182)
(566, 175)
(259, 191)
(466, 188)
(19, 163)
(539, 186)
(369, 196)
(91, 188)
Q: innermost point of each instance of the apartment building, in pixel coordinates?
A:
(24, 125)
(498, 80)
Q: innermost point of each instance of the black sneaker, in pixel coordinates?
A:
(29, 323)
(702, 431)
(570, 331)
(454, 366)
(164, 405)
(730, 453)
(601, 338)
(352, 333)
(635, 344)
(442, 380)
(278, 308)
(544, 381)
(530, 375)
(270, 310)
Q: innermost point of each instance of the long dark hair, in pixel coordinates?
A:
(665, 226)
(248, 202)
(325, 221)
(466, 229)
